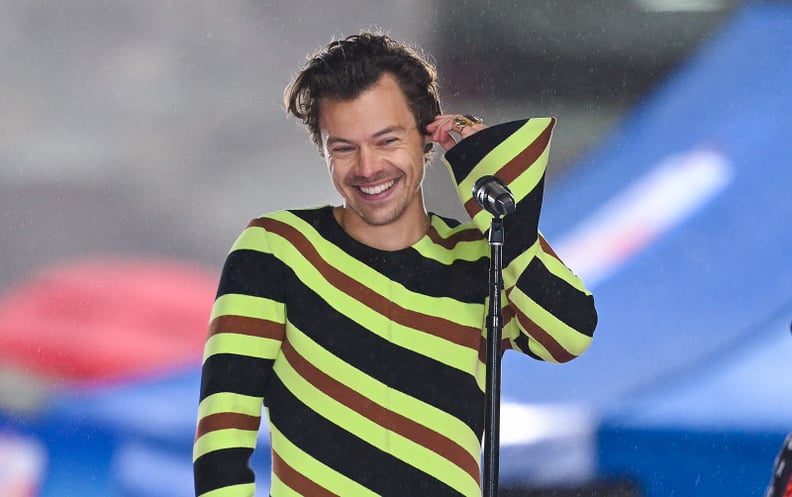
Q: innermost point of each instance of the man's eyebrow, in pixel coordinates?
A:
(337, 139)
(389, 129)
(384, 131)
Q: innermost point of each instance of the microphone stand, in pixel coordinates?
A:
(493, 366)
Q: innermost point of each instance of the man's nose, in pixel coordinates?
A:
(367, 164)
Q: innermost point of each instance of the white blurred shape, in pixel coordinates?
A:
(632, 220)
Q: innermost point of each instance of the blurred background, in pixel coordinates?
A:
(138, 138)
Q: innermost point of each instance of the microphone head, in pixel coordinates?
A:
(504, 203)
(493, 196)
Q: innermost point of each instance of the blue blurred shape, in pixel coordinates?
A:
(689, 372)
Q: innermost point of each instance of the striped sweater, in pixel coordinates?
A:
(369, 365)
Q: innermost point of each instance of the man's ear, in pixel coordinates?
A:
(428, 144)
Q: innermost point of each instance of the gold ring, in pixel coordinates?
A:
(460, 122)
(465, 120)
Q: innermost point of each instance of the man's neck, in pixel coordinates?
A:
(389, 237)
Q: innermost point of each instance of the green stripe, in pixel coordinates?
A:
(224, 439)
(464, 251)
(511, 330)
(252, 238)
(237, 304)
(244, 345)
(240, 490)
(229, 402)
(446, 231)
(279, 489)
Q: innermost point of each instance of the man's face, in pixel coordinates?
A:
(375, 155)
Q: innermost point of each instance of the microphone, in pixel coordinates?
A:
(493, 196)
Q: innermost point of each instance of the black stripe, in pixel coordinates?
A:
(449, 222)
(522, 342)
(522, 227)
(464, 281)
(235, 373)
(559, 298)
(250, 272)
(222, 468)
(469, 152)
(449, 389)
(349, 455)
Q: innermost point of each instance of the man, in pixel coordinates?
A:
(360, 327)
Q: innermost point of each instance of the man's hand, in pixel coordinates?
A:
(461, 125)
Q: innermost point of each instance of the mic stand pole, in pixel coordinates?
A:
(493, 371)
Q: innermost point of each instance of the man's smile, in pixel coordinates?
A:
(377, 189)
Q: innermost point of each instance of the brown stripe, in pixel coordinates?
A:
(466, 336)
(433, 325)
(531, 154)
(468, 235)
(223, 420)
(515, 167)
(472, 207)
(482, 354)
(296, 480)
(508, 315)
(243, 325)
(535, 332)
(383, 417)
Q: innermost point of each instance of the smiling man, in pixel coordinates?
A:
(358, 330)
(375, 155)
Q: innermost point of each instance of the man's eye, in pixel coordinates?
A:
(341, 150)
(389, 141)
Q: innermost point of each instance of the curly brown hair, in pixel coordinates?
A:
(346, 68)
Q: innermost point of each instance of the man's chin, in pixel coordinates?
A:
(375, 217)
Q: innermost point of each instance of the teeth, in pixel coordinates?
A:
(373, 190)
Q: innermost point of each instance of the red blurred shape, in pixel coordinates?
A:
(107, 318)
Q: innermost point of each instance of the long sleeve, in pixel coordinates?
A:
(245, 335)
(548, 312)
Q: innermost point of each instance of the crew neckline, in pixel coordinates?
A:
(345, 239)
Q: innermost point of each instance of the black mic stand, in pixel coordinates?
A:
(493, 376)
